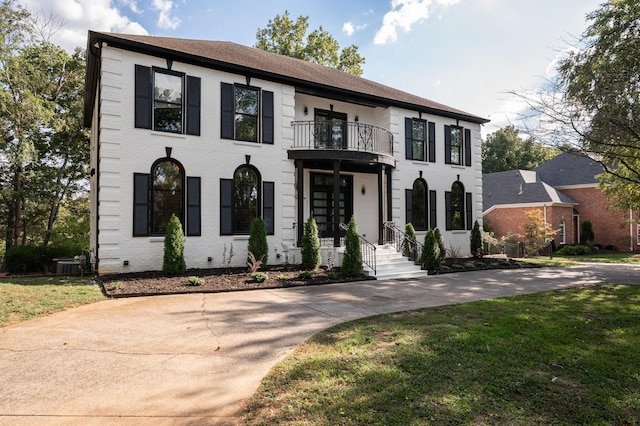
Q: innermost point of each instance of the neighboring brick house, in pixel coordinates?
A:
(566, 190)
(219, 133)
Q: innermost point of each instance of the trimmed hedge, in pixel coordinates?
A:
(36, 259)
(577, 250)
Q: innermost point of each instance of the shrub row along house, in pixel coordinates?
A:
(219, 133)
(565, 189)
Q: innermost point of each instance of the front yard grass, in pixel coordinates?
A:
(22, 299)
(559, 357)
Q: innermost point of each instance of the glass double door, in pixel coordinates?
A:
(323, 202)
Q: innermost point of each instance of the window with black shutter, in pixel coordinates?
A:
(246, 114)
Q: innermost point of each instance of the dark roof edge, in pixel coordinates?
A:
(93, 64)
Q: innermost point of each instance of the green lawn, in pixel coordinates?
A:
(25, 298)
(562, 357)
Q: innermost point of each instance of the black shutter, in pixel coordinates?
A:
(447, 144)
(143, 94)
(267, 117)
(268, 209)
(193, 206)
(140, 204)
(193, 105)
(469, 210)
(432, 142)
(408, 138)
(228, 111)
(408, 206)
(433, 216)
(447, 206)
(226, 206)
(467, 147)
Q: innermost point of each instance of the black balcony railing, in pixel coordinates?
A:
(342, 135)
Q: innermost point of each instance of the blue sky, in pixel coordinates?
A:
(468, 54)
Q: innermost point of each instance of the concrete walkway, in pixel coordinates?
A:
(196, 359)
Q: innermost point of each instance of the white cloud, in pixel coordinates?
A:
(165, 20)
(347, 28)
(403, 15)
(132, 5)
(79, 16)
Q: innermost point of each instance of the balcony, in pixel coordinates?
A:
(343, 140)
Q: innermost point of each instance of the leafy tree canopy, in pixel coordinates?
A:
(505, 150)
(286, 37)
(594, 104)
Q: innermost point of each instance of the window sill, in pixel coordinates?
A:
(420, 162)
(168, 135)
(156, 239)
(247, 143)
(241, 237)
(458, 166)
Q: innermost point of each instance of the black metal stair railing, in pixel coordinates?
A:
(368, 250)
(397, 238)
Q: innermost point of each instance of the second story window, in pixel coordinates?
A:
(246, 114)
(167, 101)
(420, 140)
(457, 146)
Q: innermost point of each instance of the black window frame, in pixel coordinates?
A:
(454, 206)
(153, 214)
(418, 205)
(411, 139)
(264, 133)
(155, 100)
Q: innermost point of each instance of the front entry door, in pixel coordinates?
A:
(322, 202)
(330, 129)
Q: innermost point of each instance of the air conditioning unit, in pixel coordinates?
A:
(68, 267)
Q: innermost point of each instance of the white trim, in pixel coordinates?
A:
(525, 205)
(580, 186)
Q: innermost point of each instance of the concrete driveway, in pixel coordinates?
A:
(195, 359)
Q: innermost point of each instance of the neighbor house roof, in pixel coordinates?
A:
(305, 76)
(570, 168)
(516, 187)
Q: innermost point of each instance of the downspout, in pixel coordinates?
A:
(630, 229)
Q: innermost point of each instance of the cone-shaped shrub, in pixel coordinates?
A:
(476, 240)
(352, 261)
(431, 253)
(258, 241)
(310, 245)
(173, 262)
(440, 241)
(409, 247)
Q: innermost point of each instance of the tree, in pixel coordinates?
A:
(310, 245)
(258, 245)
(440, 241)
(586, 233)
(43, 140)
(505, 150)
(286, 37)
(409, 243)
(173, 261)
(431, 253)
(536, 232)
(476, 240)
(594, 103)
(352, 260)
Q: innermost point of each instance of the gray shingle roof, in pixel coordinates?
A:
(569, 168)
(234, 57)
(518, 187)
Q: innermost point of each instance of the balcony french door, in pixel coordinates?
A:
(330, 129)
(322, 202)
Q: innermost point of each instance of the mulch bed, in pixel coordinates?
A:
(238, 279)
(214, 280)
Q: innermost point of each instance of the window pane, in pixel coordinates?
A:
(167, 195)
(457, 218)
(418, 150)
(456, 145)
(246, 100)
(246, 196)
(419, 220)
(246, 128)
(167, 102)
(418, 130)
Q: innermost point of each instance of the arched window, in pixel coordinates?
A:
(246, 198)
(419, 205)
(455, 206)
(167, 194)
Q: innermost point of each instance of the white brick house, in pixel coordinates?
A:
(220, 133)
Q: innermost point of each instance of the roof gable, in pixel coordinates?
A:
(570, 168)
(305, 76)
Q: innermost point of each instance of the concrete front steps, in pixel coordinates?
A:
(390, 264)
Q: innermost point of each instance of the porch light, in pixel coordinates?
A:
(363, 190)
(306, 110)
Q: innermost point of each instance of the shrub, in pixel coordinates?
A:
(586, 233)
(440, 241)
(196, 281)
(476, 240)
(259, 276)
(305, 275)
(258, 240)
(352, 261)
(577, 250)
(431, 253)
(310, 245)
(173, 261)
(408, 245)
(22, 259)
